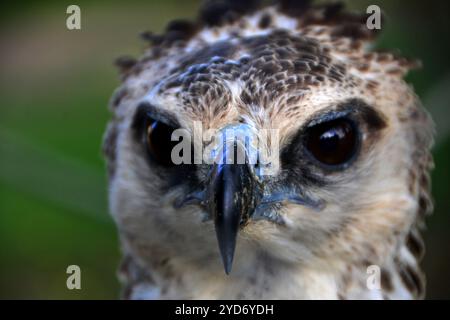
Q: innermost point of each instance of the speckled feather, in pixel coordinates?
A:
(274, 66)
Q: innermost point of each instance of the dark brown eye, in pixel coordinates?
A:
(333, 142)
(159, 144)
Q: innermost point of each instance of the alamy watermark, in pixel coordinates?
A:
(73, 21)
(235, 144)
(74, 279)
(374, 20)
(373, 281)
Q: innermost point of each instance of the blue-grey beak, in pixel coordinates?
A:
(231, 202)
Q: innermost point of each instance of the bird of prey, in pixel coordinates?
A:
(351, 188)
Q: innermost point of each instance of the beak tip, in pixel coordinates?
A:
(227, 244)
(227, 206)
(227, 262)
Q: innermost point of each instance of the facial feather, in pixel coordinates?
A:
(279, 68)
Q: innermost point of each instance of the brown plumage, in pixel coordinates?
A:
(291, 66)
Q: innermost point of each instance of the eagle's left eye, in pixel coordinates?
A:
(332, 143)
(159, 142)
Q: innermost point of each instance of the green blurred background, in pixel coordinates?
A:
(54, 88)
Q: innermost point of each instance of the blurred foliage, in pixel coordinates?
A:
(55, 85)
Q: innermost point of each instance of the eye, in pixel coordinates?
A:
(158, 140)
(332, 143)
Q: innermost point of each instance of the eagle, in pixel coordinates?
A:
(342, 191)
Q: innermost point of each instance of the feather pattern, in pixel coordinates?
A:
(275, 66)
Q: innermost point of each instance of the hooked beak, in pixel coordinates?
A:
(231, 202)
(233, 194)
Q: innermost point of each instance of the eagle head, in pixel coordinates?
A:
(271, 136)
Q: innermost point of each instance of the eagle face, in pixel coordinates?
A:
(346, 185)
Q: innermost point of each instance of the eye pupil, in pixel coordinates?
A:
(159, 144)
(333, 142)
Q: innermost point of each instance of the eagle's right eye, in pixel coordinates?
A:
(333, 143)
(159, 143)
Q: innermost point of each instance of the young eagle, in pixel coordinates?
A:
(342, 209)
